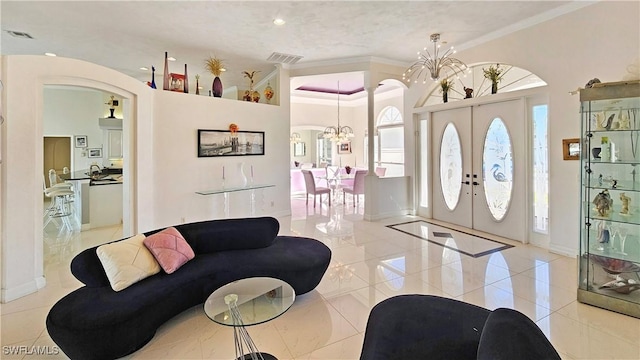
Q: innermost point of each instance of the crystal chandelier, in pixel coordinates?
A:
(431, 65)
(295, 138)
(338, 133)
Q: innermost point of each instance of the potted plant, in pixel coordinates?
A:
(493, 74)
(215, 67)
(445, 86)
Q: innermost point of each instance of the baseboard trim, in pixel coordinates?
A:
(22, 290)
(563, 250)
(376, 217)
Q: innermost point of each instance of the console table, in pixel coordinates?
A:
(227, 191)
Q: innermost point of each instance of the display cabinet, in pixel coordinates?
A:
(609, 275)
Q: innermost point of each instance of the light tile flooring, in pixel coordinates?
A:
(371, 262)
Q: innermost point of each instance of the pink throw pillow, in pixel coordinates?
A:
(170, 249)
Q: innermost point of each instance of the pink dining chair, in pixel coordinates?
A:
(357, 189)
(310, 184)
(380, 171)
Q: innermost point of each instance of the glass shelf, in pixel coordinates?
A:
(606, 185)
(234, 189)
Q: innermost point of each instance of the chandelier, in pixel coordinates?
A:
(295, 138)
(338, 133)
(431, 65)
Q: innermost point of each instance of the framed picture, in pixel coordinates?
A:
(299, 149)
(571, 149)
(80, 141)
(223, 143)
(95, 153)
(344, 147)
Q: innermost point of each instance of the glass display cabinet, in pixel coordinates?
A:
(609, 275)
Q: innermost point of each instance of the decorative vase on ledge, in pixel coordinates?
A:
(494, 87)
(216, 88)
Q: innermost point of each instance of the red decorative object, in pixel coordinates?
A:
(177, 82)
(233, 128)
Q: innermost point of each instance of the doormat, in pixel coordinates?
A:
(455, 240)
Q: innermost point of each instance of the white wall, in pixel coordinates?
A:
(566, 52)
(69, 112)
(163, 166)
(179, 173)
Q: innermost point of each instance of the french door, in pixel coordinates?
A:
(479, 176)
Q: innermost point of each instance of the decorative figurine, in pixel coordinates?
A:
(603, 232)
(592, 82)
(623, 120)
(625, 204)
(600, 180)
(609, 122)
(603, 203)
(599, 121)
(468, 92)
(268, 93)
(112, 106)
(614, 184)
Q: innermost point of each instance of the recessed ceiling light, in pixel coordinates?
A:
(171, 58)
(144, 68)
(278, 21)
(50, 54)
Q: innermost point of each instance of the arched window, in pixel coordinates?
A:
(512, 79)
(388, 143)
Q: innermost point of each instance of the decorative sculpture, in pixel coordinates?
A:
(468, 92)
(623, 120)
(603, 203)
(603, 233)
(625, 204)
(592, 82)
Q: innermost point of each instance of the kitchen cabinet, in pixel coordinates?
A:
(105, 204)
(609, 275)
(114, 144)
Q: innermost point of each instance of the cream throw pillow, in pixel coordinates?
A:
(127, 262)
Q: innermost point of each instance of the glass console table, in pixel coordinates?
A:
(227, 191)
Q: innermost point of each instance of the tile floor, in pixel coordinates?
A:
(371, 262)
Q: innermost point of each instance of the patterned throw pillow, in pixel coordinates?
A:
(170, 249)
(126, 262)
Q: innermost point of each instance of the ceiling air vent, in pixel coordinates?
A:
(284, 58)
(19, 34)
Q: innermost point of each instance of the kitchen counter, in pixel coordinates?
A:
(109, 176)
(76, 175)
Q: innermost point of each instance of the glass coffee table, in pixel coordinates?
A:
(248, 302)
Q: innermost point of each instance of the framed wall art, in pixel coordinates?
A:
(95, 153)
(571, 149)
(344, 147)
(212, 143)
(80, 141)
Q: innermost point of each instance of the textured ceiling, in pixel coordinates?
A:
(126, 35)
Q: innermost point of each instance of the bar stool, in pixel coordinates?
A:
(59, 207)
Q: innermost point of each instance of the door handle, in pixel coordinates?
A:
(475, 183)
(465, 182)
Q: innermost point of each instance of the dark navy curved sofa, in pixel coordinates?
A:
(95, 322)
